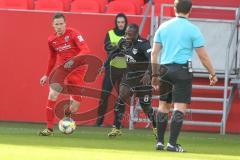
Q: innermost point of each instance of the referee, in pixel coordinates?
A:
(176, 39)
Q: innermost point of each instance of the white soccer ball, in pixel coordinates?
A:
(67, 125)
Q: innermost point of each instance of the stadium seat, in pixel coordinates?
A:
(102, 4)
(30, 4)
(157, 10)
(50, 5)
(89, 6)
(116, 7)
(14, 4)
(141, 2)
(138, 4)
(219, 3)
(66, 4)
(168, 11)
(2, 4)
(163, 1)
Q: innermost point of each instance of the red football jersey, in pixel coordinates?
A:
(64, 47)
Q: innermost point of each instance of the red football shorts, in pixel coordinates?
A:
(76, 78)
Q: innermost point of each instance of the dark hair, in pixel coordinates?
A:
(59, 15)
(134, 27)
(183, 6)
(122, 15)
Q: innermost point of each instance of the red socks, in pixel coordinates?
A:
(50, 113)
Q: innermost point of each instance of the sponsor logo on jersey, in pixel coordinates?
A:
(134, 51)
(130, 59)
(63, 48)
(80, 38)
(66, 38)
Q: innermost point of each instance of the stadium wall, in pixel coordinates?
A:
(24, 55)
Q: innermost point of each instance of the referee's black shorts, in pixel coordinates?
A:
(175, 83)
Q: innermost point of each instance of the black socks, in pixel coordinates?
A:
(162, 121)
(176, 125)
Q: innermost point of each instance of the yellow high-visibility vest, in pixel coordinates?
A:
(118, 62)
(113, 37)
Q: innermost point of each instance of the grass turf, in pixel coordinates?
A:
(20, 141)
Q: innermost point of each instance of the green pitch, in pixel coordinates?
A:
(19, 141)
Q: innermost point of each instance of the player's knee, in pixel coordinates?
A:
(75, 103)
(164, 107)
(74, 107)
(122, 99)
(182, 107)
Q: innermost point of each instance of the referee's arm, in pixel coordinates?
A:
(204, 58)
(154, 60)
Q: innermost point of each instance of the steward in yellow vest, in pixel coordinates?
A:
(115, 67)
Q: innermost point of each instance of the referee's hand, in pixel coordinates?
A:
(155, 83)
(213, 80)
